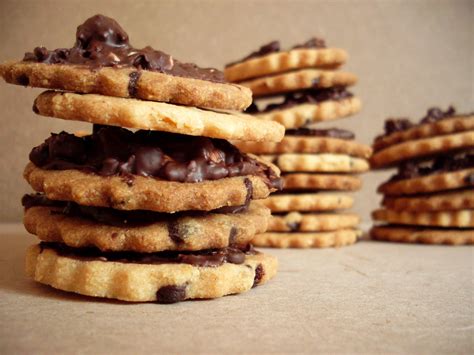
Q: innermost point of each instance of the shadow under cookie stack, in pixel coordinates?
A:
(162, 213)
(431, 197)
(299, 88)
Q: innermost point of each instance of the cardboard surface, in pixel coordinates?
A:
(368, 298)
(409, 56)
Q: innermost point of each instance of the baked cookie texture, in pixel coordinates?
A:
(301, 87)
(431, 198)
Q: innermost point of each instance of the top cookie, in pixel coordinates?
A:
(269, 59)
(103, 61)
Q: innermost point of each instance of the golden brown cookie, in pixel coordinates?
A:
(171, 232)
(458, 219)
(335, 239)
(299, 80)
(455, 124)
(423, 235)
(157, 116)
(301, 181)
(285, 61)
(308, 202)
(431, 183)
(312, 222)
(323, 163)
(300, 115)
(146, 282)
(126, 82)
(301, 144)
(422, 148)
(144, 193)
(454, 200)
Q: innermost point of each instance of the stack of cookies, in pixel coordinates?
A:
(299, 88)
(431, 197)
(162, 213)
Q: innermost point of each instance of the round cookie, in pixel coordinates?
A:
(128, 82)
(285, 61)
(431, 183)
(312, 222)
(455, 124)
(455, 200)
(131, 113)
(323, 163)
(144, 193)
(458, 219)
(308, 202)
(422, 235)
(336, 239)
(299, 80)
(301, 181)
(170, 232)
(421, 148)
(302, 144)
(146, 282)
(300, 115)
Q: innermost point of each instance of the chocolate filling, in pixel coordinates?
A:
(122, 218)
(312, 132)
(200, 258)
(274, 47)
(102, 42)
(433, 114)
(304, 97)
(437, 165)
(174, 157)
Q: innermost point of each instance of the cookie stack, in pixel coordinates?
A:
(162, 213)
(431, 197)
(301, 87)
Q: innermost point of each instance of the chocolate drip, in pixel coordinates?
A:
(313, 96)
(174, 157)
(259, 273)
(102, 42)
(200, 258)
(312, 132)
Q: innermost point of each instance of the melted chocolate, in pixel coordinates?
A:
(304, 97)
(439, 164)
(200, 258)
(274, 47)
(168, 156)
(102, 42)
(123, 218)
(312, 132)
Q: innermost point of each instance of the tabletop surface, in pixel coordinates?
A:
(368, 298)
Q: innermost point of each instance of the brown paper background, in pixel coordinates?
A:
(409, 55)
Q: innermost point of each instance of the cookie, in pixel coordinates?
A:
(431, 183)
(285, 61)
(301, 144)
(421, 148)
(144, 193)
(299, 80)
(455, 200)
(300, 115)
(458, 219)
(422, 235)
(324, 163)
(145, 282)
(169, 232)
(158, 116)
(312, 222)
(308, 202)
(299, 181)
(336, 239)
(455, 124)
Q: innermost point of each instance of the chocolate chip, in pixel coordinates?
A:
(174, 232)
(132, 83)
(259, 273)
(249, 186)
(232, 235)
(393, 125)
(314, 42)
(22, 80)
(171, 294)
(293, 226)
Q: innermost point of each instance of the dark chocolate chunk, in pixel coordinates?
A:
(171, 294)
(102, 42)
(132, 83)
(259, 273)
